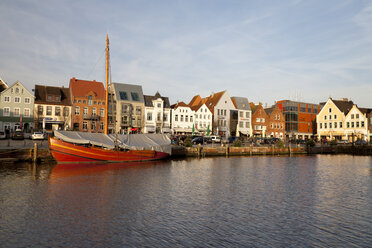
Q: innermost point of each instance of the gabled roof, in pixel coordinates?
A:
(212, 100)
(365, 110)
(42, 91)
(3, 85)
(129, 89)
(241, 103)
(81, 88)
(343, 106)
(148, 100)
(179, 104)
(269, 110)
(196, 100)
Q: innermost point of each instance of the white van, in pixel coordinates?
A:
(215, 139)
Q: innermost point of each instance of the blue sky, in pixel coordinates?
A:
(263, 50)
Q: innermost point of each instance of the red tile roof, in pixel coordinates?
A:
(81, 88)
(195, 101)
(213, 99)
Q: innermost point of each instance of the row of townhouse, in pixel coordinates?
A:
(81, 107)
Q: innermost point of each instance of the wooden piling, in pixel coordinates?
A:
(34, 159)
(227, 150)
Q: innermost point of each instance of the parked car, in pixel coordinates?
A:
(216, 139)
(232, 139)
(207, 140)
(2, 135)
(37, 136)
(197, 140)
(18, 135)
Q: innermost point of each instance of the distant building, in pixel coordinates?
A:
(300, 118)
(244, 115)
(52, 108)
(260, 121)
(182, 118)
(88, 101)
(276, 122)
(343, 120)
(129, 107)
(157, 114)
(16, 108)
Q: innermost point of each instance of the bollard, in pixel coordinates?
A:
(35, 153)
(272, 149)
(198, 150)
(227, 150)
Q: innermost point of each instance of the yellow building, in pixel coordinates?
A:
(342, 120)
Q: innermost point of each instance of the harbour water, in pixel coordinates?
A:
(305, 201)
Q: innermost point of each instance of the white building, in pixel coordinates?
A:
(157, 114)
(203, 118)
(182, 118)
(244, 120)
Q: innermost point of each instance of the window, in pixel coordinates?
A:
(370, 120)
(278, 117)
(159, 105)
(66, 111)
(241, 113)
(101, 126)
(75, 100)
(348, 124)
(335, 124)
(85, 125)
(124, 109)
(241, 123)
(93, 125)
(247, 124)
(79, 101)
(138, 110)
(352, 116)
(218, 112)
(246, 114)
(224, 113)
(95, 102)
(17, 99)
(181, 118)
(57, 98)
(357, 124)
(335, 117)
(325, 117)
(330, 117)
(85, 111)
(90, 100)
(186, 118)
(357, 116)
(26, 112)
(58, 111)
(325, 125)
(77, 110)
(17, 111)
(133, 120)
(340, 124)
(6, 98)
(165, 116)
(320, 125)
(49, 110)
(94, 111)
(149, 117)
(135, 96)
(49, 98)
(362, 123)
(330, 125)
(6, 111)
(330, 110)
(40, 110)
(258, 119)
(190, 118)
(124, 120)
(27, 100)
(352, 124)
(17, 91)
(102, 112)
(123, 95)
(84, 101)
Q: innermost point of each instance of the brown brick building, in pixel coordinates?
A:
(276, 122)
(260, 121)
(88, 110)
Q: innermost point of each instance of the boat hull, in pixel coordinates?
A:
(65, 152)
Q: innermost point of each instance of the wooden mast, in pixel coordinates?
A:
(107, 83)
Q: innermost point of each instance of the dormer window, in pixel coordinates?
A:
(49, 98)
(17, 91)
(90, 100)
(57, 99)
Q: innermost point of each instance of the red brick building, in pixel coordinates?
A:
(276, 122)
(260, 121)
(88, 110)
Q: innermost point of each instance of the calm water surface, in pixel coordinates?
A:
(311, 201)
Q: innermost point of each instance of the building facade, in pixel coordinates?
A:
(129, 108)
(203, 118)
(16, 108)
(342, 120)
(52, 108)
(260, 121)
(182, 118)
(300, 118)
(276, 122)
(244, 116)
(88, 105)
(157, 114)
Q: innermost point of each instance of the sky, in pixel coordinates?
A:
(263, 50)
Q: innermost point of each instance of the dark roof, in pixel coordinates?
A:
(269, 110)
(241, 103)
(42, 91)
(131, 91)
(344, 106)
(149, 99)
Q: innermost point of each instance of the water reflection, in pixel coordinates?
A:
(308, 201)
